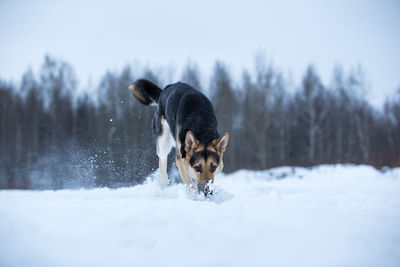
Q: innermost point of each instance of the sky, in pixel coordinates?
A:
(96, 36)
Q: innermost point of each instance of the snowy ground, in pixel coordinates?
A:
(326, 216)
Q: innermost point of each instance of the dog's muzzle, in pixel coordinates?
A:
(205, 188)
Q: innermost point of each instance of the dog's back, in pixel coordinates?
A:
(190, 110)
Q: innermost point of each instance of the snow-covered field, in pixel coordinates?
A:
(340, 215)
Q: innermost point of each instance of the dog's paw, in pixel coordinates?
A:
(162, 183)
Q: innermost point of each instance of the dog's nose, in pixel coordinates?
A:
(204, 187)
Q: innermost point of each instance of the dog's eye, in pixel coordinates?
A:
(197, 168)
(212, 168)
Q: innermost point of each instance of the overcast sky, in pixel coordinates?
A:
(95, 36)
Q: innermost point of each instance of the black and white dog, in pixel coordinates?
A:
(184, 119)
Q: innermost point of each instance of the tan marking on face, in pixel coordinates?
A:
(209, 168)
(200, 147)
(211, 148)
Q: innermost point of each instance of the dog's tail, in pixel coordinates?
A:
(145, 91)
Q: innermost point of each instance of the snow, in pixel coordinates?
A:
(331, 215)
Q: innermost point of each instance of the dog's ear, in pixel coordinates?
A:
(190, 141)
(221, 143)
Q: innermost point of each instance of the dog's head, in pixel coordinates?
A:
(204, 161)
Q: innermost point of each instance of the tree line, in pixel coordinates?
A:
(54, 136)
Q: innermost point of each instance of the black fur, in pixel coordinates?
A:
(181, 105)
(145, 91)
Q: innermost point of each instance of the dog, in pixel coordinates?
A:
(184, 119)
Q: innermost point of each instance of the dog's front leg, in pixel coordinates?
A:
(163, 175)
(163, 147)
(182, 172)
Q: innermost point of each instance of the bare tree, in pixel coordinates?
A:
(191, 75)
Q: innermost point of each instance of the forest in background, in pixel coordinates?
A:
(53, 137)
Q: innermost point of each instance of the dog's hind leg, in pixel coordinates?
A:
(164, 144)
